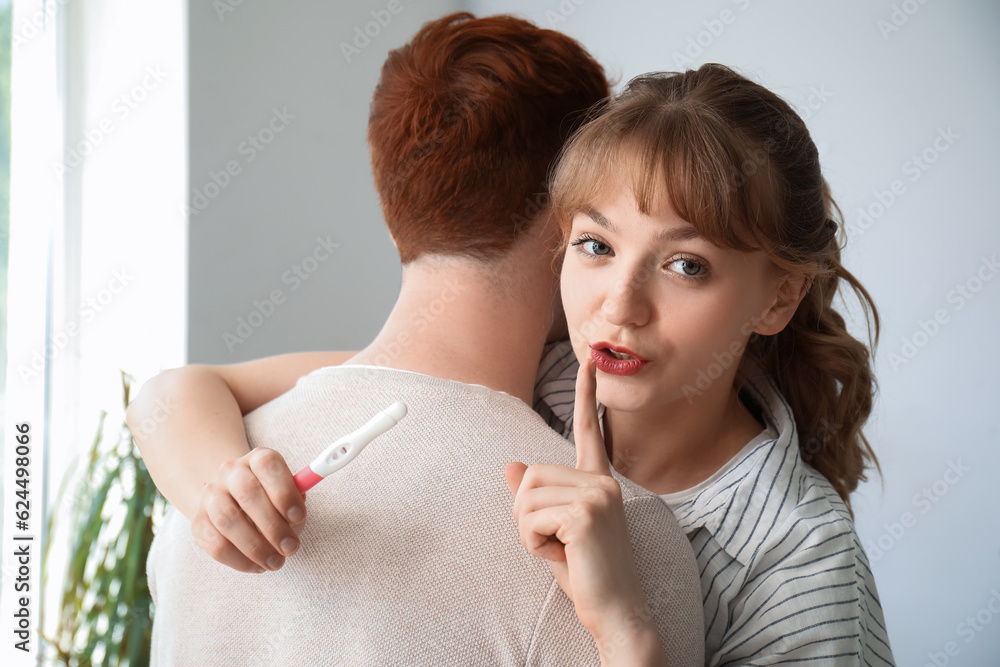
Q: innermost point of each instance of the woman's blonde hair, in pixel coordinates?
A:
(738, 164)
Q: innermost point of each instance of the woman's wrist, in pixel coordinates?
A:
(629, 636)
(634, 644)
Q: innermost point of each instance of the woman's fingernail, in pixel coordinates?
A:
(274, 562)
(295, 515)
(287, 546)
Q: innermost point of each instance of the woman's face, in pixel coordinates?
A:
(682, 307)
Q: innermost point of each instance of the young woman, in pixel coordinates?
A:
(702, 257)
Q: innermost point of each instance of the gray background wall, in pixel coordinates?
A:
(312, 181)
(878, 83)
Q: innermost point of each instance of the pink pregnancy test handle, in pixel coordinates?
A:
(306, 479)
(341, 452)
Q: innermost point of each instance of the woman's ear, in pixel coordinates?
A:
(792, 288)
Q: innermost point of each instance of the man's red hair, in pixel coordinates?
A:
(464, 124)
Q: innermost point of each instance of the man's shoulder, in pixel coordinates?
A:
(668, 572)
(445, 418)
(362, 387)
(651, 518)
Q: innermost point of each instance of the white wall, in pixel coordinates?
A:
(312, 181)
(885, 94)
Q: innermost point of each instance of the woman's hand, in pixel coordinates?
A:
(575, 518)
(251, 513)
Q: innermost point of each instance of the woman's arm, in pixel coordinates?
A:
(188, 422)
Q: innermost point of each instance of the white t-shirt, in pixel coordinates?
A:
(784, 576)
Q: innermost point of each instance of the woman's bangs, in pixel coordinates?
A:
(665, 158)
(687, 165)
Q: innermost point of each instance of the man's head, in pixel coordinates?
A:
(464, 124)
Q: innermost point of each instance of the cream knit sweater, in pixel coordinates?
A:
(410, 555)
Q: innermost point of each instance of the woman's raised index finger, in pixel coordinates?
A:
(591, 454)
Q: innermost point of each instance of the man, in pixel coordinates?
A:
(410, 554)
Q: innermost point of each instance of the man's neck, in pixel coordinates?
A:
(452, 323)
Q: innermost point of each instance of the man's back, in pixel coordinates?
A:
(410, 555)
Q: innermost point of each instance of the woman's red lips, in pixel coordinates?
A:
(607, 362)
(616, 348)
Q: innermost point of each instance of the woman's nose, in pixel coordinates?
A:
(626, 303)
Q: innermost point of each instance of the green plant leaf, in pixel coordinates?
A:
(106, 607)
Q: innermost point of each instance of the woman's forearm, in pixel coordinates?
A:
(634, 644)
(186, 423)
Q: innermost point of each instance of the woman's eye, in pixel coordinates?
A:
(688, 267)
(597, 248)
(592, 247)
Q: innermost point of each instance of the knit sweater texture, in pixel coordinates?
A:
(410, 555)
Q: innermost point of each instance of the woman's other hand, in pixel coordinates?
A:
(251, 513)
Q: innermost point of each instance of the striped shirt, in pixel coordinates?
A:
(784, 576)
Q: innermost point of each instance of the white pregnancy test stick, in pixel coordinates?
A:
(343, 451)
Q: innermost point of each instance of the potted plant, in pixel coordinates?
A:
(105, 612)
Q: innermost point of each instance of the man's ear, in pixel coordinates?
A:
(792, 288)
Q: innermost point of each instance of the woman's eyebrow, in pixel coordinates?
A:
(673, 235)
(676, 234)
(599, 218)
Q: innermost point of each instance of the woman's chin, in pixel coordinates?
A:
(623, 397)
(620, 401)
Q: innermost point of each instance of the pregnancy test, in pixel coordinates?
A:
(343, 451)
